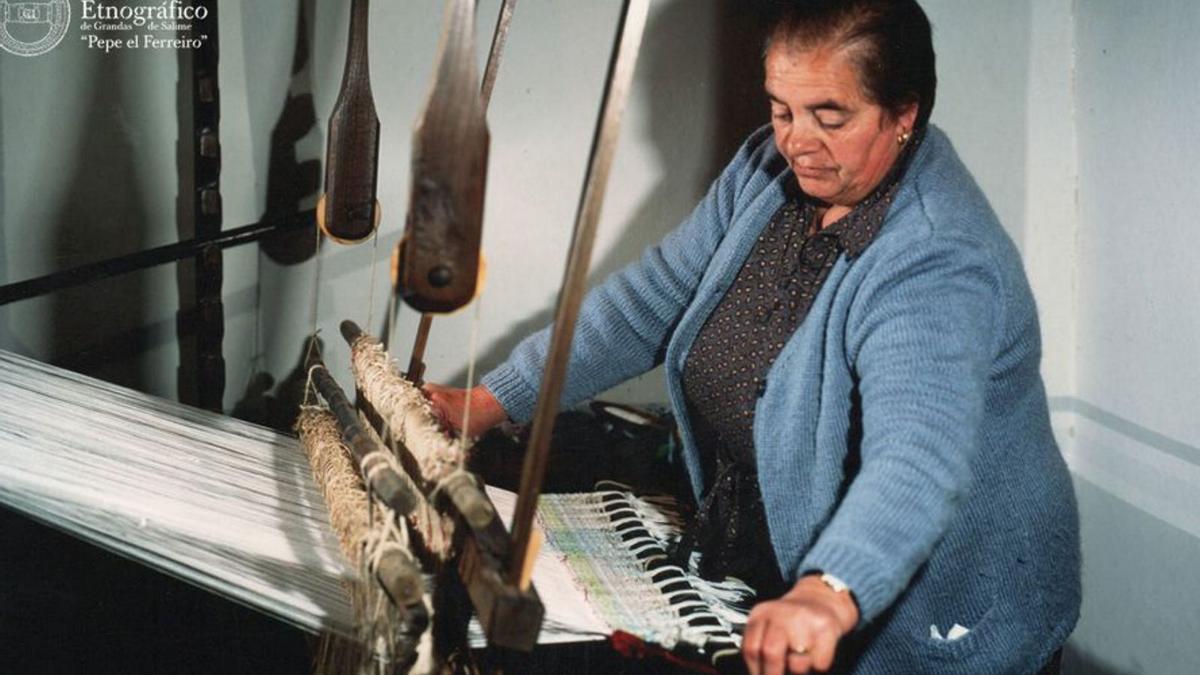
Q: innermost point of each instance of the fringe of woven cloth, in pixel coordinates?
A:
(615, 544)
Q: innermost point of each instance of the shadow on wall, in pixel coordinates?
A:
(1076, 662)
(96, 329)
(701, 102)
(292, 184)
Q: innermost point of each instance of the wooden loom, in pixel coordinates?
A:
(231, 507)
(436, 270)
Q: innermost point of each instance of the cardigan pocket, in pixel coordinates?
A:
(987, 611)
(960, 584)
(974, 609)
(961, 647)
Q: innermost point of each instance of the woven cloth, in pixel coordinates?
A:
(614, 543)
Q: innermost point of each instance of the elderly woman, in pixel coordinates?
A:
(852, 350)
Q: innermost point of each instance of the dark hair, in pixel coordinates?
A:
(890, 41)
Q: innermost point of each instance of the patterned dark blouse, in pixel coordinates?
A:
(726, 369)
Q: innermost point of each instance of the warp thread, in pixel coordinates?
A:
(365, 530)
(337, 477)
(405, 410)
(435, 529)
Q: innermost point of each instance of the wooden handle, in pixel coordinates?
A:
(348, 211)
(438, 264)
(535, 547)
(416, 363)
(400, 578)
(416, 366)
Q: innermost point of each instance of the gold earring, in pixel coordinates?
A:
(903, 138)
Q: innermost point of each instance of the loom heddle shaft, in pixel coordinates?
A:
(394, 488)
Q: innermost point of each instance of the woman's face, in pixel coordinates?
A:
(839, 144)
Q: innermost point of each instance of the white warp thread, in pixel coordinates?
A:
(436, 530)
(223, 504)
(226, 505)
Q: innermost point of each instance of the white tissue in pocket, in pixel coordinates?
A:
(956, 631)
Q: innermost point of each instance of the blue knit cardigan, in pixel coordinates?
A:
(903, 439)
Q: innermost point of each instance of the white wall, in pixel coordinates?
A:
(87, 173)
(1132, 435)
(1051, 226)
(983, 51)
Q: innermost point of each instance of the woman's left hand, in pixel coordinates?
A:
(450, 405)
(799, 632)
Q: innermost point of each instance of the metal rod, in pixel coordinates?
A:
(604, 145)
(151, 257)
(499, 38)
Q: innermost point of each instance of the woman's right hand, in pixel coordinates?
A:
(450, 405)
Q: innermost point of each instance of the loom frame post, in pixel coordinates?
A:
(207, 212)
(619, 78)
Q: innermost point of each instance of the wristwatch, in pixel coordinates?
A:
(835, 584)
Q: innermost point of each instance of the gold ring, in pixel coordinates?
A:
(802, 651)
